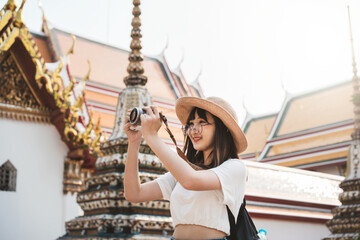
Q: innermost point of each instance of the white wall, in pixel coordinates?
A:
(38, 209)
(291, 230)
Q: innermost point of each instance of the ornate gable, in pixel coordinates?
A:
(31, 92)
(17, 98)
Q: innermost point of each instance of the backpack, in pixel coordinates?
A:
(244, 229)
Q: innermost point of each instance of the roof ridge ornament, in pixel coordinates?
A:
(11, 5)
(42, 10)
(134, 68)
(71, 50)
(19, 22)
(166, 45)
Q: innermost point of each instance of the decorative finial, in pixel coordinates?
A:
(71, 50)
(243, 103)
(199, 74)
(11, 5)
(181, 59)
(42, 10)
(87, 77)
(283, 84)
(166, 44)
(19, 22)
(134, 68)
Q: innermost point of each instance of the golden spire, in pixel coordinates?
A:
(134, 68)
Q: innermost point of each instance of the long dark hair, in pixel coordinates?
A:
(224, 145)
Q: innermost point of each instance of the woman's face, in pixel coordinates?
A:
(202, 137)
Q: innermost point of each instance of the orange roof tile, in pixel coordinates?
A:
(257, 131)
(316, 109)
(43, 46)
(341, 135)
(109, 64)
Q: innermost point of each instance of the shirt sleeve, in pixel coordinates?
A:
(232, 176)
(166, 183)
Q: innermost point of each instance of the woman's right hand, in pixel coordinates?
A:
(134, 136)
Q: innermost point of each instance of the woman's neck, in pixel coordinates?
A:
(207, 158)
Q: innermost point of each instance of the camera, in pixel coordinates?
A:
(135, 115)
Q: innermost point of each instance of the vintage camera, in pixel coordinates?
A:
(135, 115)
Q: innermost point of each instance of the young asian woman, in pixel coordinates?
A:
(198, 198)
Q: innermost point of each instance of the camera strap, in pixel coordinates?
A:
(179, 152)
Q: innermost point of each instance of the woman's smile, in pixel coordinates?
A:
(196, 139)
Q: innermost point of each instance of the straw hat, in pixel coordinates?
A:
(219, 108)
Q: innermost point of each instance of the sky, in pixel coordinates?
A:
(249, 52)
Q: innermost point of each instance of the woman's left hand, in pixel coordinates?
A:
(150, 121)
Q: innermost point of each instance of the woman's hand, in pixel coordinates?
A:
(150, 121)
(134, 136)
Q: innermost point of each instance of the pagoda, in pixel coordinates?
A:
(107, 214)
(345, 224)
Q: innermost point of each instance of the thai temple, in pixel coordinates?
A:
(63, 103)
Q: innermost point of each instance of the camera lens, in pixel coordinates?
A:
(135, 116)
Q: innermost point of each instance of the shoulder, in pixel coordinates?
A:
(231, 167)
(234, 163)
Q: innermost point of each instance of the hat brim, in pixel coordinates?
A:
(185, 105)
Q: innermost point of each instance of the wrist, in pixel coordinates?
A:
(150, 137)
(134, 145)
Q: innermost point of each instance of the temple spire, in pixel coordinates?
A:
(356, 93)
(352, 170)
(134, 68)
(345, 222)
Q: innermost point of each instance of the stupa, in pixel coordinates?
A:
(107, 214)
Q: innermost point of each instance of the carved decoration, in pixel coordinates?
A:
(16, 91)
(13, 86)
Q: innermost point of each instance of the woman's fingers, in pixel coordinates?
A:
(155, 111)
(149, 111)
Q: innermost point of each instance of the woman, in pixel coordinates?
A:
(198, 198)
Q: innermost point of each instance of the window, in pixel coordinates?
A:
(8, 177)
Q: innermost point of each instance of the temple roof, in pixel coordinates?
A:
(310, 130)
(293, 194)
(110, 63)
(316, 109)
(108, 69)
(292, 184)
(257, 131)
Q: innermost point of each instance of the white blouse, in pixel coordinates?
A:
(207, 208)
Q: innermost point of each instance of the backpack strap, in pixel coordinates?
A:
(232, 223)
(231, 217)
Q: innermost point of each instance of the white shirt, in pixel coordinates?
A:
(207, 208)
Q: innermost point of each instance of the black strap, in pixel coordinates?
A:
(232, 218)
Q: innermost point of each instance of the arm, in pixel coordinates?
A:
(135, 191)
(182, 171)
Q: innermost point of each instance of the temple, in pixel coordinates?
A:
(63, 102)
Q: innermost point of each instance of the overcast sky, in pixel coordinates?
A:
(245, 49)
